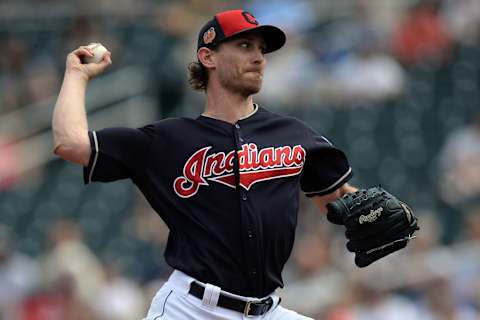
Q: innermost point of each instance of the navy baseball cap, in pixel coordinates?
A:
(227, 24)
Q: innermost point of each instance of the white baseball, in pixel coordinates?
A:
(98, 53)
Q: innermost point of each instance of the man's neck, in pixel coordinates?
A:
(229, 108)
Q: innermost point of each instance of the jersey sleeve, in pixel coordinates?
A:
(326, 168)
(117, 153)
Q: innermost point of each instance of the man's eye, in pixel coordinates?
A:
(244, 44)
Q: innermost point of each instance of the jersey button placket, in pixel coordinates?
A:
(251, 239)
(243, 193)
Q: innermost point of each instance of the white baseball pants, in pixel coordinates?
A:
(173, 302)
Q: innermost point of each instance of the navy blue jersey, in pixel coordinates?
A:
(228, 193)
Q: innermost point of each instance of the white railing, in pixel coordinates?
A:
(115, 99)
(105, 90)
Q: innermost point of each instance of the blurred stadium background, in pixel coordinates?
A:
(394, 83)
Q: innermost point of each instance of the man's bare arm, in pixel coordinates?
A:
(321, 201)
(69, 123)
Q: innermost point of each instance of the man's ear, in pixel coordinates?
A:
(206, 57)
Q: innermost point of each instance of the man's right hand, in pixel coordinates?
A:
(89, 70)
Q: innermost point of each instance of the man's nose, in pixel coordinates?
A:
(259, 56)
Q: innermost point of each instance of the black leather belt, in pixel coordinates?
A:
(248, 308)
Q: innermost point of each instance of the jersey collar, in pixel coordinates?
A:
(255, 106)
(255, 109)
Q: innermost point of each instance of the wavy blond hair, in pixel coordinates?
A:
(197, 76)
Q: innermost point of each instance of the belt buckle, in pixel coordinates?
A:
(247, 309)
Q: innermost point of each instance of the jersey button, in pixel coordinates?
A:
(250, 234)
(241, 139)
(237, 126)
(254, 272)
(244, 197)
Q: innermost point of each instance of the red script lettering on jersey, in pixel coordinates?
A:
(255, 166)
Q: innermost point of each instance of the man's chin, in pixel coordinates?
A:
(247, 88)
(249, 92)
(253, 88)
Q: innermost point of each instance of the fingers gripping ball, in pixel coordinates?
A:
(98, 52)
(376, 223)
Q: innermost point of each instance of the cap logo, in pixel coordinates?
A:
(249, 17)
(209, 35)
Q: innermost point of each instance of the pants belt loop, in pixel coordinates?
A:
(211, 295)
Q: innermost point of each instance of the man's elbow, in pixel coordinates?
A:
(79, 154)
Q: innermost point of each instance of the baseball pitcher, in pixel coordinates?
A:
(227, 182)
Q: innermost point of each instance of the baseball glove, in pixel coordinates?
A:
(376, 223)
